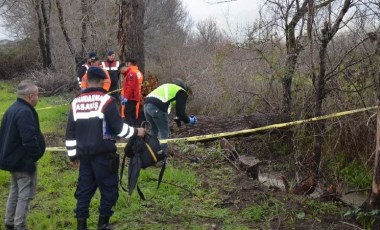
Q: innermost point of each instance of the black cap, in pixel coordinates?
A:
(96, 72)
(92, 54)
(110, 52)
(132, 60)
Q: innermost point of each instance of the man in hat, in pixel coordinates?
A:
(93, 126)
(83, 69)
(131, 92)
(94, 62)
(112, 66)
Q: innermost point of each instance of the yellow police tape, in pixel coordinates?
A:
(228, 134)
(51, 107)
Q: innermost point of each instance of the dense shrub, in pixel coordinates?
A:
(18, 57)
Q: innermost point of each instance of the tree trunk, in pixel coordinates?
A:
(41, 36)
(47, 34)
(131, 31)
(121, 34)
(85, 20)
(373, 201)
(77, 58)
(320, 84)
(43, 23)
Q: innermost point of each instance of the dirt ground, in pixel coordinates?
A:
(248, 192)
(243, 191)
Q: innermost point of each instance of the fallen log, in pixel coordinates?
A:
(212, 125)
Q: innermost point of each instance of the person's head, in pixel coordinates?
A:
(183, 85)
(95, 61)
(28, 91)
(131, 62)
(95, 77)
(111, 55)
(92, 55)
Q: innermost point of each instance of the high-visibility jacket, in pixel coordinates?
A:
(112, 69)
(106, 82)
(167, 96)
(133, 79)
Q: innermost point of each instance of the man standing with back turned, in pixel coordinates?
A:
(21, 146)
(131, 93)
(93, 126)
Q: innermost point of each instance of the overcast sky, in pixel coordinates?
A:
(228, 15)
(231, 16)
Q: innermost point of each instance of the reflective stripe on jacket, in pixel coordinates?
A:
(94, 124)
(106, 82)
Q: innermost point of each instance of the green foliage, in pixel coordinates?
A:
(7, 96)
(366, 219)
(356, 175)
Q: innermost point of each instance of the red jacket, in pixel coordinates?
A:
(133, 79)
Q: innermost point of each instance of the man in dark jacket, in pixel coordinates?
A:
(93, 126)
(21, 146)
(112, 66)
(83, 68)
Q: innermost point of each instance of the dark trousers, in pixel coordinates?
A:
(130, 113)
(96, 172)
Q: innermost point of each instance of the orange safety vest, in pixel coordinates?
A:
(106, 82)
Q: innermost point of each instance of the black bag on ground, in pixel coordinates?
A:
(143, 152)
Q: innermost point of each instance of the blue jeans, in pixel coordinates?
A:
(159, 121)
(22, 191)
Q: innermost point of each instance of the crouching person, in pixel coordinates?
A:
(93, 126)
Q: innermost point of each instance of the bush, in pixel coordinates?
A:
(17, 57)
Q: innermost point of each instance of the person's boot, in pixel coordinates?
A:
(9, 227)
(82, 224)
(103, 223)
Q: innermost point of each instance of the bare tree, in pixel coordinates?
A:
(329, 30)
(43, 22)
(84, 23)
(77, 58)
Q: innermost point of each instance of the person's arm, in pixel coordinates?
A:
(181, 99)
(71, 142)
(84, 84)
(81, 72)
(30, 134)
(107, 82)
(117, 126)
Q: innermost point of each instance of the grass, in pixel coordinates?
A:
(206, 195)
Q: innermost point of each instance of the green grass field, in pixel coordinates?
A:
(209, 194)
(54, 203)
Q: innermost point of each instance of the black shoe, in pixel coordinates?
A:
(82, 224)
(103, 223)
(9, 227)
